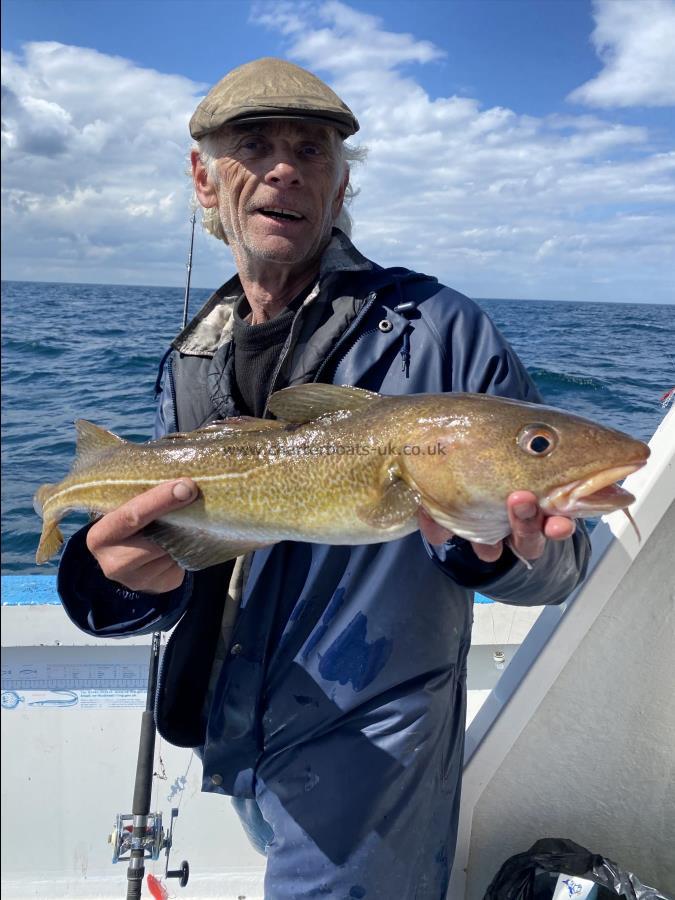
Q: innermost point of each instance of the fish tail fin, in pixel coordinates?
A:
(50, 542)
(92, 443)
(51, 537)
(41, 497)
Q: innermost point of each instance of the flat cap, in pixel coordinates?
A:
(271, 88)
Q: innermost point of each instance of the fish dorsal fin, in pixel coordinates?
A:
(92, 440)
(304, 402)
(226, 428)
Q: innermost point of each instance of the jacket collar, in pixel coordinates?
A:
(212, 326)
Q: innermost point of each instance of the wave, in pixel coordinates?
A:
(39, 348)
(137, 362)
(551, 378)
(632, 326)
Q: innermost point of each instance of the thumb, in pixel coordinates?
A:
(184, 490)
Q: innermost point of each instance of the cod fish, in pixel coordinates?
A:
(341, 465)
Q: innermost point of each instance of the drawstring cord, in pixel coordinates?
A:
(407, 308)
(405, 353)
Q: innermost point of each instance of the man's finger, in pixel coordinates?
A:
(487, 552)
(118, 560)
(527, 524)
(157, 576)
(431, 530)
(133, 516)
(559, 528)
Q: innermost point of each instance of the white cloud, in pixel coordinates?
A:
(636, 42)
(343, 35)
(494, 202)
(491, 201)
(94, 155)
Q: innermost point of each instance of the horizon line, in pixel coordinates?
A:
(212, 290)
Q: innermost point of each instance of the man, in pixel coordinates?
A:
(331, 684)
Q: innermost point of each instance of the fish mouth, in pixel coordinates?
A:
(597, 494)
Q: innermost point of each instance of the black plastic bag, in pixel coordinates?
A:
(533, 875)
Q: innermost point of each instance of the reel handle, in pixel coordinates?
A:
(183, 873)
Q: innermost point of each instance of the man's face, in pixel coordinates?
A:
(279, 192)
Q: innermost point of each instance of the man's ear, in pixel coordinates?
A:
(340, 196)
(204, 188)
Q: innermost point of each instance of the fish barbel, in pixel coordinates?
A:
(343, 465)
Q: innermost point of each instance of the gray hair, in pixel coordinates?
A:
(346, 155)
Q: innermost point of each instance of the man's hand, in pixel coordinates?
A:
(131, 559)
(529, 529)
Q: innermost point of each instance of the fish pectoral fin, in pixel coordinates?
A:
(226, 428)
(92, 440)
(195, 549)
(304, 402)
(397, 503)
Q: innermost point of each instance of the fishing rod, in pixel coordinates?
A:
(140, 834)
(189, 270)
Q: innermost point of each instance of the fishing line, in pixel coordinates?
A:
(184, 778)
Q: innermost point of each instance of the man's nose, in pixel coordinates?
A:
(283, 173)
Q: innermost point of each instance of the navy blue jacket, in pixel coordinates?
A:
(347, 664)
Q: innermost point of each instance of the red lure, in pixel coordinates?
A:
(156, 888)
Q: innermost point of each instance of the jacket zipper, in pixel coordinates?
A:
(284, 353)
(172, 392)
(349, 349)
(370, 299)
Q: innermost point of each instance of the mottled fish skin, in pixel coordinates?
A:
(356, 474)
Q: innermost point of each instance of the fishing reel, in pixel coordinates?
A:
(152, 843)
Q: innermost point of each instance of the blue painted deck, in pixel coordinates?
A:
(29, 590)
(40, 590)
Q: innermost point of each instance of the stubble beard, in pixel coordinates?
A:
(248, 249)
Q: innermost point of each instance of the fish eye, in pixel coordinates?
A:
(538, 440)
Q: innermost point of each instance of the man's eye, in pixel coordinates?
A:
(254, 144)
(311, 150)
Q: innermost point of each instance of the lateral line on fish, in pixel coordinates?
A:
(149, 481)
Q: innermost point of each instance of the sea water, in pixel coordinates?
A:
(89, 351)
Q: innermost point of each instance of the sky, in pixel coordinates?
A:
(516, 148)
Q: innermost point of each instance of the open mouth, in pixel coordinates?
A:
(597, 494)
(280, 214)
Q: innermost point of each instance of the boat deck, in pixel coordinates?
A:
(573, 737)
